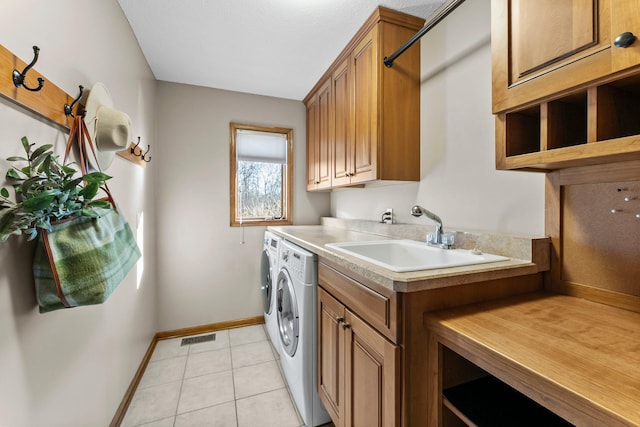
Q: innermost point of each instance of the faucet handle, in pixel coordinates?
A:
(432, 238)
(448, 239)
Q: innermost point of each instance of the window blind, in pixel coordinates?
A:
(266, 147)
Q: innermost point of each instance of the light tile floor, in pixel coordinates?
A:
(234, 381)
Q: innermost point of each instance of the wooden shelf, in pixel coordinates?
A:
(590, 126)
(490, 402)
(615, 150)
(575, 357)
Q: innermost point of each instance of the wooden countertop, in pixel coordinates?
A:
(315, 237)
(578, 358)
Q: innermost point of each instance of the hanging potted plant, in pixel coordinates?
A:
(85, 247)
(46, 191)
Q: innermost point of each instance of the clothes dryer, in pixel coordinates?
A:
(268, 274)
(296, 291)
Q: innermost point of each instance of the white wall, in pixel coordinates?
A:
(72, 367)
(206, 274)
(458, 177)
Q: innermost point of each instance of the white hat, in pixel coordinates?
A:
(109, 128)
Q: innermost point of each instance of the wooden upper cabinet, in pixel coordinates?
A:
(566, 91)
(318, 141)
(542, 47)
(365, 62)
(342, 129)
(312, 143)
(370, 139)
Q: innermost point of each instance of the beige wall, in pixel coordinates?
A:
(458, 177)
(80, 361)
(208, 271)
(71, 368)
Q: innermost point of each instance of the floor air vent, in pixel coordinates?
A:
(198, 339)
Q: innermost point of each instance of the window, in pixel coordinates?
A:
(261, 175)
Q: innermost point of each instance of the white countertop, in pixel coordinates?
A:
(315, 237)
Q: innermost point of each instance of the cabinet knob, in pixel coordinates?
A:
(624, 40)
(345, 325)
(339, 319)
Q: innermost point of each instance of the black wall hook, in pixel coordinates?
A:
(142, 156)
(68, 109)
(133, 149)
(18, 77)
(139, 152)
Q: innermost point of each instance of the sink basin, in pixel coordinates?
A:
(411, 255)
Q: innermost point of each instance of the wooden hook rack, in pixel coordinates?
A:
(46, 104)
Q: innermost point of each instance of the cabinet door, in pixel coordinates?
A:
(319, 139)
(365, 63)
(543, 47)
(625, 17)
(342, 127)
(324, 136)
(312, 144)
(330, 347)
(372, 375)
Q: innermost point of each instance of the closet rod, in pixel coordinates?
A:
(433, 21)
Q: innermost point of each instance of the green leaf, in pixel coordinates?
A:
(90, 190)
(25, 143)
(5, 222)
(89, 213)
(4, 192)
(38, 203)
(100, 204)
(27, 184)
(63, 198)
(44, 223)
(26, 170)
(72, 184)
(98, 177)
(37, 160)
(41, 150)
(46, 166)
(13, 174)
(16, 158)
(33, 233)
(68, 170)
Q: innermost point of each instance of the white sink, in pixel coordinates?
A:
(411, 255)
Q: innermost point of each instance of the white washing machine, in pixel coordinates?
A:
(268, 274)
(296, 291)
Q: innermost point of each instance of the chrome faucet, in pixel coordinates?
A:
(439, 238)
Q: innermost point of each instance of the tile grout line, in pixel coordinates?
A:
(184, 371)
(233, 382)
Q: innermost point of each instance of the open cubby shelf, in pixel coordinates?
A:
(590, 126)
(490, 402)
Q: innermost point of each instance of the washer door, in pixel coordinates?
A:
(266, 282)
(287, 314)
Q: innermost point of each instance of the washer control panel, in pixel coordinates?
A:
(298, 262)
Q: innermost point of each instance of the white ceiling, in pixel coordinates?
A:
(267, 47)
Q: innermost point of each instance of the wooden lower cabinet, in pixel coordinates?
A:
(331, 356)
(358, 369)
(372, 363)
